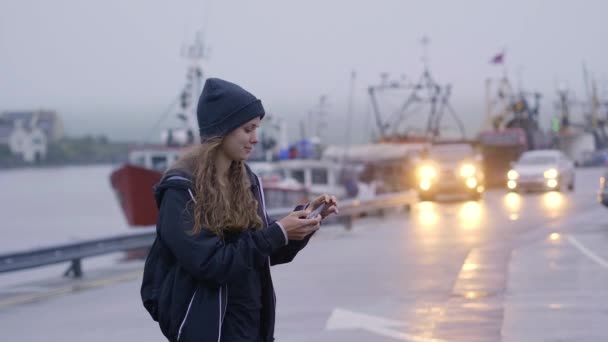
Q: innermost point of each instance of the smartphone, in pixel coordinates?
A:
(317, 211)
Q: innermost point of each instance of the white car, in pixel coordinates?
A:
(541, 170)
(450, 168)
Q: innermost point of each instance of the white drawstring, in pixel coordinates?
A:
(191, 195)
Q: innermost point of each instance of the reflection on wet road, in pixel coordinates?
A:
(481, 237)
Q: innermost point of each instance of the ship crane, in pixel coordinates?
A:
(425, 92)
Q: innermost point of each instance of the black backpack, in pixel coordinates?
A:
(159, 260)
(155, 270)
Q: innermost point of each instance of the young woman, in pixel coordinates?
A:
(215, 243)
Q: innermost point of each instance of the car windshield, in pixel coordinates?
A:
(537, 160)
(449, 153)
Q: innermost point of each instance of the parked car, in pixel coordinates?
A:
(541, 170)
(450, 169)
(602, 194)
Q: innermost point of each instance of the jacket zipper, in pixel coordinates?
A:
(181, 326)
(274, 296)
(222, 314)
(261, 194)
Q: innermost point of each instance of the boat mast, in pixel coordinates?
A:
(196, 54)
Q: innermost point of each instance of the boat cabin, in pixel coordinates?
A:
(157, 158)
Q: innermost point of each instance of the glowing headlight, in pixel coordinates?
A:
(425, 184)
(512, 175)
(467, 170)
(551, 173)
(511, 184)
(427, 172)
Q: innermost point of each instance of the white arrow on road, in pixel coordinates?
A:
(344, 319)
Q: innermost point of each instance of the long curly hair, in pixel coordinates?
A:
(233, 209)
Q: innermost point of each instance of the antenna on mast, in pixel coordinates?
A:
(196, 53)
(424, 42)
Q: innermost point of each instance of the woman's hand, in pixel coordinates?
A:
(331, 205)
(297, 226)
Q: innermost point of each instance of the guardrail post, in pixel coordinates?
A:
(381, 212)
(75, 269)
(348, 222)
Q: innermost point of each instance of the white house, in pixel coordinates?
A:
(28, 142)
(47, 120)
(27, 133)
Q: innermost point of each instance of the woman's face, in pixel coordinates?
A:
(239, 143)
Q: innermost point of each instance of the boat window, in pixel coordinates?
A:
(159, 163)
(319, 176)
(282, 198)
(298, 175)
(140, 161)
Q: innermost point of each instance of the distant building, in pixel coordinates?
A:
(48, 121)
(27, 133)
(28, 142)
(6, 128)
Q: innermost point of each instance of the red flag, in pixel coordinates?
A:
(498, 59)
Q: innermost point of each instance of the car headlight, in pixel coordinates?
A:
(512, 175)
(427, 172)
(467, 170)
(550, 174)
(425, 184)
(511, 184)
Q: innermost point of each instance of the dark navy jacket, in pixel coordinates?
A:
(187, 277)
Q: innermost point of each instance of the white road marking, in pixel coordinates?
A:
(587, 252)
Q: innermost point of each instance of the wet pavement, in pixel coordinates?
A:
(511, 267)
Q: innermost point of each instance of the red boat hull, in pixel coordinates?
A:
(133, 188)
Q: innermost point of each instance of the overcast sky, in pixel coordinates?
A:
(113, 66)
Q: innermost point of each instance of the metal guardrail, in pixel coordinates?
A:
(75, 252)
